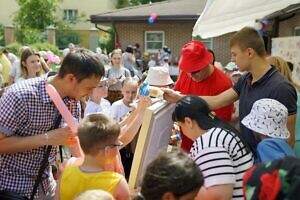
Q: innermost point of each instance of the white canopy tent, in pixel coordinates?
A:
(224, 16)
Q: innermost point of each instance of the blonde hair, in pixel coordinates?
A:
(282, 66)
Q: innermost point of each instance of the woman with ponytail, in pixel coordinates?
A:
(220, 152)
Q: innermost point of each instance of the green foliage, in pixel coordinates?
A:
(28, 35)
(64, 37)
(1, 35)
(46, 47)
(14, 48)
(108, 42)
(36, 14)
(122, 4)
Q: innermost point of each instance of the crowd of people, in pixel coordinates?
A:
(231, 123)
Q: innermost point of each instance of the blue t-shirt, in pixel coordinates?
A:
(272, 149)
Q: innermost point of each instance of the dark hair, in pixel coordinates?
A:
(96, 129)
(291, 65)
(213, 54)
(248, 37)
(82, 63)
(197, 109)
(129, 49)
(170, 172)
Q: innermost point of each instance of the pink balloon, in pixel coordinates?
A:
(153, 15)
(62, 108)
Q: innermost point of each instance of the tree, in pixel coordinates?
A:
(33, 17)
(36, 14)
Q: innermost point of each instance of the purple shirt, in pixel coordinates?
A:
(26, 110)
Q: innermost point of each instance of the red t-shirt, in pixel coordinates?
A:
(215, 84)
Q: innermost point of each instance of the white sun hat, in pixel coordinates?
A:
(268, 117)
(159, 76)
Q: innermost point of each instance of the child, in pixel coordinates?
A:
(119, 110)
(97, 103)
(172, 175)
(268, 119)
(121, 107)
(98, 135)
(94, 195)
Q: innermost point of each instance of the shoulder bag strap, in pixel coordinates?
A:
(44, 162)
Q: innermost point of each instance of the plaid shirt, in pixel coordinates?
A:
(25, 110)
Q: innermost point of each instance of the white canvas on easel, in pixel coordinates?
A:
(288, 48)
(153, 138)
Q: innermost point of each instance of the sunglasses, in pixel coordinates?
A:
(119, 145)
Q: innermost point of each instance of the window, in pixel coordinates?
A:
(297, 31)
(70, 15)
(154, 40)
(208, 43)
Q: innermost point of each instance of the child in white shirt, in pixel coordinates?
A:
(97, 103)
(120, 108)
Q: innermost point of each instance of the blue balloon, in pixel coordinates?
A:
(150, 20)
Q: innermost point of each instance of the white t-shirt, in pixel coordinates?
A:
(222, 158)
(119, 110)
(92, 107)
(15, 70)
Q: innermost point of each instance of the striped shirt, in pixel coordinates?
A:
(26, 110)
(222, 158)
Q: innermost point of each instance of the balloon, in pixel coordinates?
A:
(150, 20)
(153, 15)
(52, 58)
(61, 107)
(144, 89)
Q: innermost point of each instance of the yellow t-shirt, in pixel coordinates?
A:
(74, 181)
(6, 66)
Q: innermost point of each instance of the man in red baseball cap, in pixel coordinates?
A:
(200, 77)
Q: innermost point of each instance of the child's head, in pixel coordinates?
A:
(100, 91)
(116, 56)
(283, 67)
(245, 45)
(30, 63)
(170, 176)
(129, 89)
(99, 133)
(94, 195)
(268, 117)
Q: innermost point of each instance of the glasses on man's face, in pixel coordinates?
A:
(119, 145)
